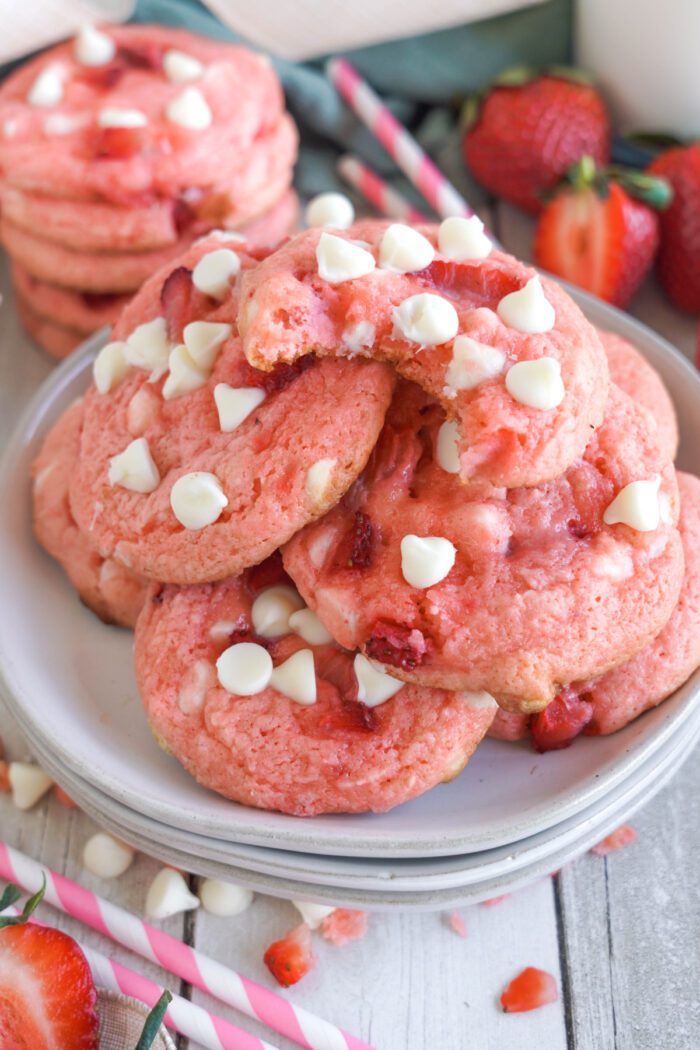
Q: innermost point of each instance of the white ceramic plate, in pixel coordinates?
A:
(70, 678)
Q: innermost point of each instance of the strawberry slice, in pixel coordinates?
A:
(561, 721)
(176, 301)
(529, 990)
(398, 646)
(343, 925)
(623, 836)
(291, 958)
(120, 143)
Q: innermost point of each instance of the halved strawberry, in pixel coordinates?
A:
(529, 990)
(291, 958)
(343, 925)
(625, 835)
(560, 722)
(120, 143)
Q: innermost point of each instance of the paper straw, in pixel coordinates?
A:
(440, 194)
(252, 999)
(378, 192)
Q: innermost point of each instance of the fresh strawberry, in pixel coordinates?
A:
(529, 990)
(395, 645)
(561, 721)
(625, 835)
(529, 128)
(120, 143)
(679, 253)
(291, 958)
(600, 231)
(343, 925)
(176, 297)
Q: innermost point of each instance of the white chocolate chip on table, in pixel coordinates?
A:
(28, 783)
(313, 914)
(169, 895)
(106, 856)
(224, 899)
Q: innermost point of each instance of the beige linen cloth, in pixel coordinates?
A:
(121, 1023)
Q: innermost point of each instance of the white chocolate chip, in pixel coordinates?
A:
(425, 560)
(28, 783)
(426, 319)
(180, 67)
(47, 89)
(204, 340)
(359, 336)
(168, 895)
(404, 250)
(318, 478)
(183, 374)
(313, 914)
(340, 260)
(447, 451)
(234, 404)
(190, 110)
(197, 679)
(330, 209)
(214, 272)
(374, 686)
(62, 124)
(224, 898)
(111, 117)
(462, 239)
(197, 499)
(537, 384)
(93, 48)
(307, 625)
(472, 363)
(110, 367)
(481, 701)
(148, 346)
(134, 468)
(224, 235)
(527, 310)
(107, 857)
(222, 629)
(142, 411)
(296, 678)
(272, 609)
(244, 669)
(636, 505)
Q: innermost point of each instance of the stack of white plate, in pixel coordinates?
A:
(510, 818)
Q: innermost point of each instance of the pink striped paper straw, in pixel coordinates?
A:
(440, 194)
(177, 958)
(379, 193)
(184, 1017)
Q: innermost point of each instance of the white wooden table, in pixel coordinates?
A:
(622, 935)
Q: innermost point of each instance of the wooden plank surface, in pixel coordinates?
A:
(621, 935)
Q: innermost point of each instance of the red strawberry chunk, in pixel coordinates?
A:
(176, 297)
(458, 924)
(141, 56)
(363, 541)
(398, 646)
(120, 143)
(343, 925)
(560, 722)
(291, 958)
(529, 990)
(63, 798)
(623, 836)
(4, 776)
(267, 574)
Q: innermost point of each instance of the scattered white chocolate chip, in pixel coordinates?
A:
(190, 110)
(197, 499)
(224, 898)
(374, 686)
(197, 679)
(404, 250)
(28, 783)
(528, 310)
(168, 895)
(307, 625)
(93, 48)
(107, 857)
(296, 678)
(636, 505)
(472, 363)
(184, 376)
(537, 384)
(47, 89)
(214, 272)
(204, 340)
(330, 209)
(359, 336)
(426, 319)
(340, 260)
(234, 404)
(481, 701)
(244, 669)
(111, 117)
(148, 346)
(110, 367)
(180, 67)
(313, 914)
(425, 560)
(272, 608)
(447, 451)
(134, 468)
(318, 478)
(462, 239)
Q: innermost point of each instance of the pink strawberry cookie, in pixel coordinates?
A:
(114, 593)
(57, 340)
(511, 591)
(506, 353)
(288, 721)
(193, 465)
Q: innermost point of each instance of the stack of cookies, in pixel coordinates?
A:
(376, 494)
(117, 150)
